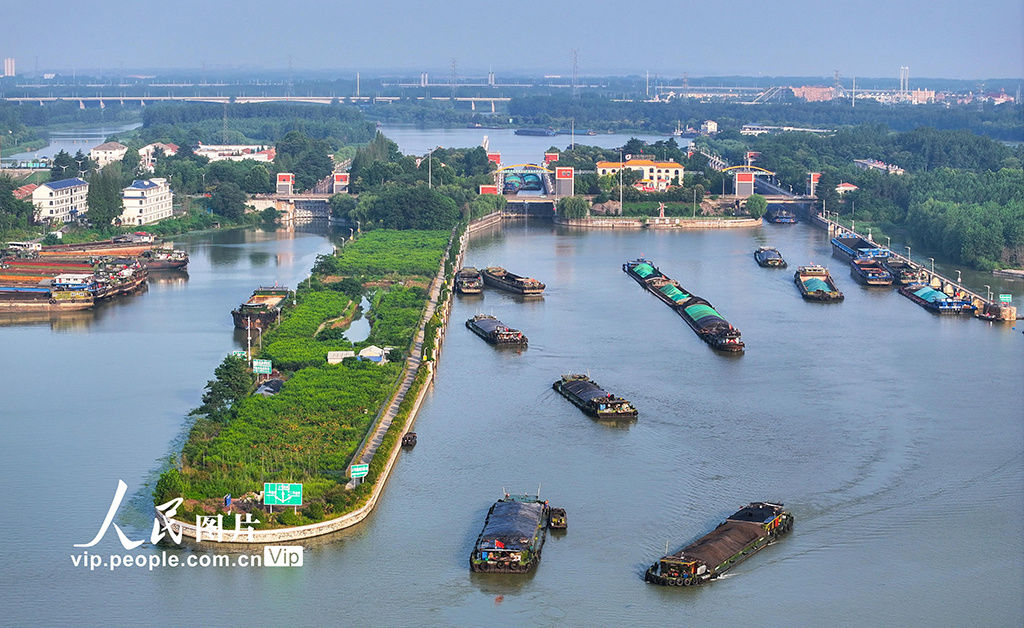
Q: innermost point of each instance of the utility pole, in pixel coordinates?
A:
(357, 84)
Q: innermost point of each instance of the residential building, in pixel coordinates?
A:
(708, 127)
(845, 187)
(9, 66)
(147, 154)
(146, 201)
(657, 175)
(874, 164)
(60, 201)
(107, 153)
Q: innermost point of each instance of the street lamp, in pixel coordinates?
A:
(988, 292)
(933, 264)
(887, 241)
(622, 167)
(958, 276)
(908, 253)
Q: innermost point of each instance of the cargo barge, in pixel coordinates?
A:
(850, 247)
(43, 299)
(780, 216)
(768, 257)
(870, 272)
(904, 273)
(500, 278)
(262, 308)
(127, 244)
(935, 300)
(749, 530)
(699, 314)
(512, 537)
(164, 259)
(494, 331)
(815, 284)
(468, 281)
(586, 395)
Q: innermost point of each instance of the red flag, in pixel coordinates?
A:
(499, 544)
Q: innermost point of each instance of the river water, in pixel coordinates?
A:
(894, 436)
(72, 140)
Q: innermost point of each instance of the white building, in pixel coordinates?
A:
(107, 152)
(60, 201)
(147, 154)
(8, 66)
(656, 175)
(236, 152)
(709, 127)
(146, 201)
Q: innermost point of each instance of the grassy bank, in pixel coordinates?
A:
(310, 430)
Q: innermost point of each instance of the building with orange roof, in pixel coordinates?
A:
(659, 175)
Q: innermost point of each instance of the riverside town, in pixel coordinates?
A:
(464, 320)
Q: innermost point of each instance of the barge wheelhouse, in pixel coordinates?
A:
(498, 277)
(749, 530)
(815, 284)
(512, 537)
(769, 257)
(586, 395)
(709, 325)
(495, 332)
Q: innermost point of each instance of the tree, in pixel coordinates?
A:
(63, 167)
(14, 214)
(825, 190)
(416, 207)
(341, 205)
(228, 200)
(104, 196)
(130, 166)
(756, 205)
(573, 207)
(233, 382)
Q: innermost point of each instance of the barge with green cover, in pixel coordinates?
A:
(935, 300)
(586, 395)
(749, 530)
(815, 284)
(699, 314)
(512, 537)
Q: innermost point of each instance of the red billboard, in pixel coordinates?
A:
(814, 176)
(495, 157)
(488, 189)
(341, 177)
(285, 177)
(744, 177)
(563, 173)
(549, 157)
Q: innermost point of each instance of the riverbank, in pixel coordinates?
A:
(657, 223)
(381, 442)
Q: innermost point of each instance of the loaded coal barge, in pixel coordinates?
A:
(585, 394)
(498, 277)
(699, 314)
(815, 284)
(512, 537)
(262, 308)
(468, 281)
(749, 530)
(935, 300)
(904, 273)
(164, 259)
(494, 331)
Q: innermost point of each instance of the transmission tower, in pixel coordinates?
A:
(454, 76)
(575, 70)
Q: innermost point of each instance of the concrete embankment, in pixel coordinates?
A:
(657, 223)
(416, 364)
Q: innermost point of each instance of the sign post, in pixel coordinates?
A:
(281, 494)
(262, 367)
(360, 471)
(1006, 298)
(238, 353)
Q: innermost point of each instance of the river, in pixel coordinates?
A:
(894, 436)
(72, 140)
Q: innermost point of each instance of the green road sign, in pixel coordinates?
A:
(262, 367)
(360, 470)
(239, 353)
(1006, 298)
(281, 494)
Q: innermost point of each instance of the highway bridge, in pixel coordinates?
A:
(320, 100)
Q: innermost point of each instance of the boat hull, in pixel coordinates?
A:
(511, 286)
(248, 320)
(590, 410)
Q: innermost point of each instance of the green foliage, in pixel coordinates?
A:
(416, 207)
(386, 252)
(232, 382)
(756, 204)
(342, 205)
(104, 196)
(573, 207)
(291, 345)
(304, 156)
(394, 316)
(228, 200)
(170, 485)
(14, 214)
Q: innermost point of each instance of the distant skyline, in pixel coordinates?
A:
(940, 39)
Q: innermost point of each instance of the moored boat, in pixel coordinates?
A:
(409, 439)
(747, 531)
(500, 278)
(512, 537)
(850, 247)
(769, 257)
(586, 395)
(44, 299)
(494, 331)
(935, 300)
(709, 325)
(904, 273)
(262, 308)
(556, 519)
(815, 284)
(870, 272)
(780, 216)
(164, 259)
(469, 281)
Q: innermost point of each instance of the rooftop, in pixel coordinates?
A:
(64, 183)
(110, 146)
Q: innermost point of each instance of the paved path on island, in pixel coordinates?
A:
(412, 367)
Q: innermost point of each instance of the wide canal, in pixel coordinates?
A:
(893, 435)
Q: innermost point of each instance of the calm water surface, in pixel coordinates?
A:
(893, 435)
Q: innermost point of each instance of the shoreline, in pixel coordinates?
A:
(657, 223)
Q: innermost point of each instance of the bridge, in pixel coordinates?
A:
(320, 100)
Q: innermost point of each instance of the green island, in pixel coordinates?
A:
(309, 431)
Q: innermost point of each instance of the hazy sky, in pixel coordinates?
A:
(938, 38)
